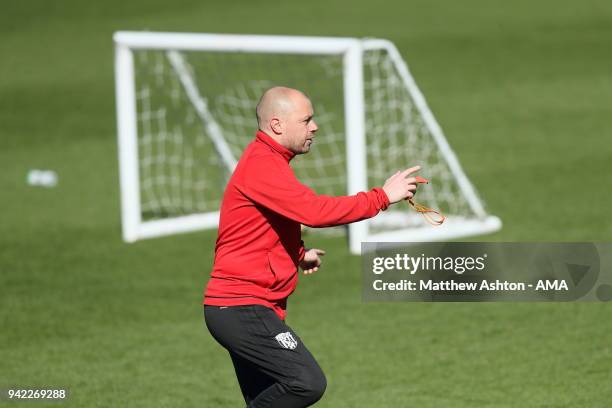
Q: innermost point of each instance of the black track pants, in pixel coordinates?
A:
(273, 366)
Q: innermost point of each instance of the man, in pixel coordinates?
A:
(259, 249)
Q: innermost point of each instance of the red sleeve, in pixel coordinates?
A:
(273, 185)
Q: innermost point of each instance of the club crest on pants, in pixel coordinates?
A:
(286, 340)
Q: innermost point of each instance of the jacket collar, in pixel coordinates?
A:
(264, 138)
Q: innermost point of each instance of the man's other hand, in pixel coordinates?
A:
(399, 186)
(312, 260)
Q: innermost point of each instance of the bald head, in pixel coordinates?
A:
(278, 101)
(285, 114)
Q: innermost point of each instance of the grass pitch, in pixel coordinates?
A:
(522, 90)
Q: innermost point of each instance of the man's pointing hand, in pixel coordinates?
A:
(399, 186)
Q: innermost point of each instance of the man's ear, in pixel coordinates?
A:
(276, 125)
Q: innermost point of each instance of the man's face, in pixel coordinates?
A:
(300, 126)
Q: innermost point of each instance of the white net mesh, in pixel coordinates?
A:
(179, 170)
(182, 172)
(397, 137)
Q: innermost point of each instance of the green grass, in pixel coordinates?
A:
(523, 92)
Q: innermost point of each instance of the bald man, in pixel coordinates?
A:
(259, 250)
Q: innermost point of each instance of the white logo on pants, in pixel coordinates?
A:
(286, 340)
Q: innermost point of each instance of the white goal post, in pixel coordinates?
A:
(185, 111)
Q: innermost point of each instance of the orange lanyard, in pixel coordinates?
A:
(431, 216)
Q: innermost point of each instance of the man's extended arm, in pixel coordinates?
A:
(274, 186)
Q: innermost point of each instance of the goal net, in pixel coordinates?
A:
(186, 110)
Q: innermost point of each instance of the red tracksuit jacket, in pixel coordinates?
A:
(259, 242)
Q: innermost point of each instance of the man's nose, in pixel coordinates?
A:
(314, 127)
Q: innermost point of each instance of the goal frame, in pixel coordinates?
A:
(351, 49)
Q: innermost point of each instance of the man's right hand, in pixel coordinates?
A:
(399, 186)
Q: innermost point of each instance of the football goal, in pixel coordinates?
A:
(186, 110)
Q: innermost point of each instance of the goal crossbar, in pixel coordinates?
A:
(235, 43)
